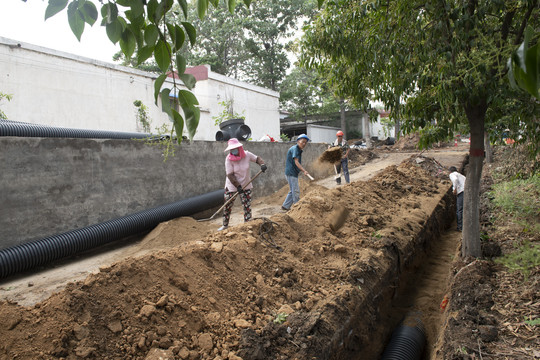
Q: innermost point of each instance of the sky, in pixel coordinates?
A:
(24, 21)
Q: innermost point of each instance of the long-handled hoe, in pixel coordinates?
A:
(231, 199)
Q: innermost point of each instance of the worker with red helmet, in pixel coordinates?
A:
(344, 163)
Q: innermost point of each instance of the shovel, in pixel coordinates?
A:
(231, 199)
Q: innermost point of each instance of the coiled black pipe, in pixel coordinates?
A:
(22, 129)
(407, 341)
(32, 254)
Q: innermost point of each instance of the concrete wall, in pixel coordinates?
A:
(54, 88)
(50, 185)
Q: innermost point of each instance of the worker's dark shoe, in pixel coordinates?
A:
(284, 208)
(338, 180)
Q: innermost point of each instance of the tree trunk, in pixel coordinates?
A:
(489, 150)
(342, 116)
(397, 129)
(471, 245)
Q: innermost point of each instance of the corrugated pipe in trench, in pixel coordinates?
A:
(22, 129)
(40, 252)
(407, 341)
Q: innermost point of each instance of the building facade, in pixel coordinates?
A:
(54, 88)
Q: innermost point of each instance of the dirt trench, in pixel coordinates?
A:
(287, 287)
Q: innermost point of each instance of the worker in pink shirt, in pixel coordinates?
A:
(238, 178)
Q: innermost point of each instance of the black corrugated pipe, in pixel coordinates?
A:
(22, 129)
(407, 341)
(29, 255)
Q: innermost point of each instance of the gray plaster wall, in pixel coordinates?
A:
(53, 185)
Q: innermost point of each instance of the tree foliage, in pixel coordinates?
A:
(435, 64)
(221, 40)
(304, 92)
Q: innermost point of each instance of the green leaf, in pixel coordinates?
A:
(247, 2)
(89, 12)
(193, 115)
(124, 2)
(159, 12)
(232, 5)
(137, 7)
(151, 8)
(54, 7)
(184, 6)
(214, 2)
(162, 54)
(188, 80)
(114, 30)
(186, 98)
(75, 20)
(320, 3)
(179, 37)
(192, 33)
(127, 43)
(180, 64)
(109, 12)
(166, 102)
(202, 7)
(144, 53)
(158, 83)
(178, 125)
(151, 34)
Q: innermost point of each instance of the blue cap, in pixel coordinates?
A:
(303, 136)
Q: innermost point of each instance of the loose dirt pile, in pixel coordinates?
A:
(331, 155)
(408, 142)
(288, 287)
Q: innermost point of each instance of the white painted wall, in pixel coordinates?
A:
(260, 106)
(54, 88)
(321, 134)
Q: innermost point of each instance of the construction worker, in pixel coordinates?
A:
(344, 163)
(238, 175)
(293, 167)
(458, 185)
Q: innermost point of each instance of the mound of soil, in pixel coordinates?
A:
(331, 155)
(289, 287)
(408, 142)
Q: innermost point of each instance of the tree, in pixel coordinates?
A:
(221, 41)
(269, 27)
(435, 64)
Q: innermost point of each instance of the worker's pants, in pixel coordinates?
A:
(245, 196)
(294, 192)
(344, 164)
(459, 211)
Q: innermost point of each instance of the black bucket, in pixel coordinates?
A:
(234, 128)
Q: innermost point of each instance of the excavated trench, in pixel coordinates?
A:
(300, 285)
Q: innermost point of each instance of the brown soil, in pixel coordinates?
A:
(284, 286)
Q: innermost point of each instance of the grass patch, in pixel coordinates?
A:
(520, 199)
(523, 260)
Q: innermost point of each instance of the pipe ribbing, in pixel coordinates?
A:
(29, 255)
(21, 129)
(407, 341)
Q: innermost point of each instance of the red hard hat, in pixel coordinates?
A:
(339, 133)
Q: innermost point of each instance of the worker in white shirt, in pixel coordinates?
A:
(458, 185)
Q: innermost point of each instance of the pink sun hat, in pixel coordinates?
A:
(233, 144)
